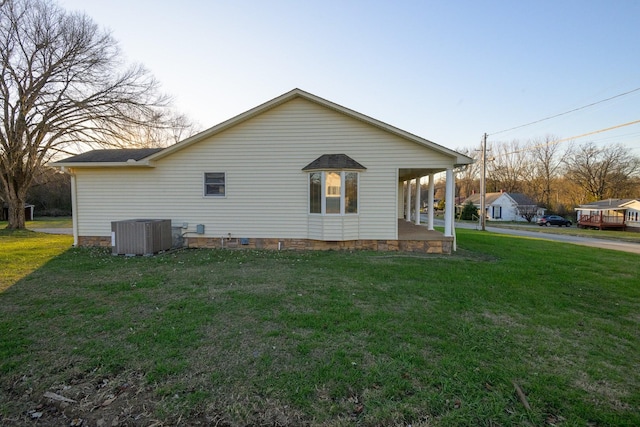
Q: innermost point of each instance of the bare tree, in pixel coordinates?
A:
(175, 128)
(64, 86)
(506, 170)
(468, 179)
(528, 212)
(604, 172)
(544, 167)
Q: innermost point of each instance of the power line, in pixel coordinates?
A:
(558, 141)
(567, 112)
(599, 131)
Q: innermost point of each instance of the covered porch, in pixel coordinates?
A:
(603, 214)
(410, 226)
(411, 231)
(418, 238)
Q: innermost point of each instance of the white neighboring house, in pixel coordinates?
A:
(507, 206)
(632, 216)
(297, 171)
(610, 214)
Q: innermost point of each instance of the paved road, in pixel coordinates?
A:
(584, 241)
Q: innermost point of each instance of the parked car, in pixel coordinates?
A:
(553, 220)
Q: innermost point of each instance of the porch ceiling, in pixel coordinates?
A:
(405, 174)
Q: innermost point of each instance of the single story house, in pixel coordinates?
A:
(295, 172)
(622, 214)
(632, 217)
(504, 206)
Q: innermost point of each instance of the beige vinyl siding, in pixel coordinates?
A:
(266, 190)
(334, 227)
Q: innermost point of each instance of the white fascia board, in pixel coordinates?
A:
(128, 164)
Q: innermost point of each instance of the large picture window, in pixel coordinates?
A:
(333, 193)
(214, 184)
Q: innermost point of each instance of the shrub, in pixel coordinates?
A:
(469, 211)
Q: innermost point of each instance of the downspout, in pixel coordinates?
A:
(74, 206)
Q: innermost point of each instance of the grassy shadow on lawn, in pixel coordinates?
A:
(45, 222)
(327, 338)
(23, 251)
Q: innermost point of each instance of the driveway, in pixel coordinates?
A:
(576, 240)
(54, 230)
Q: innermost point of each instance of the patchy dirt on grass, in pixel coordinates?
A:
(128, 400)
(502, 319)
(87, 400)
(603, 392)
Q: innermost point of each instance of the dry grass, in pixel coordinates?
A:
(210, 337)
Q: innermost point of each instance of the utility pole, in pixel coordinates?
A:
(483, 184)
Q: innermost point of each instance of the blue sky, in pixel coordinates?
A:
(445, 70)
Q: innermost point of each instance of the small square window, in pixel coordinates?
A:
(214, 184)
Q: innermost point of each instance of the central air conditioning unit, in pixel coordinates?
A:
(140, 236)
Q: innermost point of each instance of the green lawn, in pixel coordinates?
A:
(23, 251)
(324, 338)
(45, 222)
(624, 236)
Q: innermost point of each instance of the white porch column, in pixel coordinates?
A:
(430, 207)
(449, 204)
(417, 203)
(408, 212)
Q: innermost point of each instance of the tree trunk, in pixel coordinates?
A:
(16, 204)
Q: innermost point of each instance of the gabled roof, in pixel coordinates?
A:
(522, 199)
(458, 159)
(519, 198)
(333, 161)
(474, 198)
(605, 204)
(112, 155)
(488, 198)
(630, 203)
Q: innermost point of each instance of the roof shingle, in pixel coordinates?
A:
(519, 198)
(112, 155)
(333, 161)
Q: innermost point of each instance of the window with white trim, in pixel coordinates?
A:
(333, 192)
(214, 184)
(315, 192)
(497, 212)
